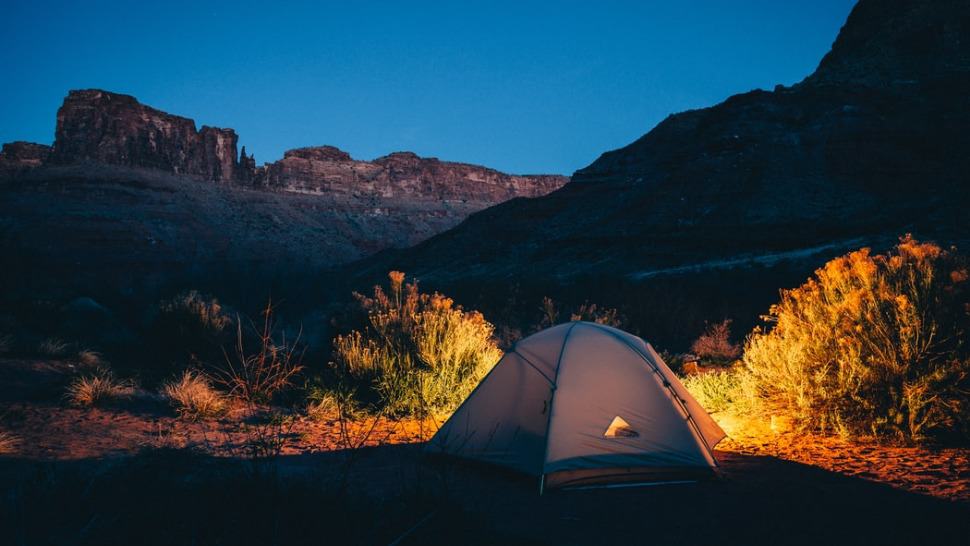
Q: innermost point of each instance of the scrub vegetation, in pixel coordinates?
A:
(416, 354)
(871, 345)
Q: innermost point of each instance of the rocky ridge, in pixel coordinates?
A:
(100, 127)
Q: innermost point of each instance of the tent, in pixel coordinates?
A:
(583, 404)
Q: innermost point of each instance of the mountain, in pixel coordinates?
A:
(130, 198)
(712, 211)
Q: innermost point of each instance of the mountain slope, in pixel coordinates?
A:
(873, 144)
(130, 199)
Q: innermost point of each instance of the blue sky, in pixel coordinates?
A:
(524, 87)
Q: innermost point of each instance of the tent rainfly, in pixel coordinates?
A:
(582, 404)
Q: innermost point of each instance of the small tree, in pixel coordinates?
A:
(419, 353)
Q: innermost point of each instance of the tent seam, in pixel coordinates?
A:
(552, 397)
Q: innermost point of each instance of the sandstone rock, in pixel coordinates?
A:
(21, 156)
(401, 176)
(102, 127)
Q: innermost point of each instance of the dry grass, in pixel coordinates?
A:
(193, 397)
(256, 373)
(53, 347)
(8, 443)
(97, 388)
(90, 359)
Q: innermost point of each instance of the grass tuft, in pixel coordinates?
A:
(53, 347)
(97, 388)
(193, 397)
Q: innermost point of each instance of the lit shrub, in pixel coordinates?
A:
(873, 344)
(193, 397)
(715, 343)
(720, 390)
(97, 388)
(419, 353)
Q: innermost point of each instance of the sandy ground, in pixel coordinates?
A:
(793, 488)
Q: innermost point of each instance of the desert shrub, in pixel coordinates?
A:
(193, 396)
(260, 365)
(96, 388)
(872, 344)
(419, 353)
(715, 343)
(53, 347)
(589, 312)
(192, 326)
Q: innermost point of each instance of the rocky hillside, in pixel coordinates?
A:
(874, 144)
(130, 194)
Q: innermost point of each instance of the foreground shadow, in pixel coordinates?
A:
(392, 493)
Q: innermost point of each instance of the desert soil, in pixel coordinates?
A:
(789, 488)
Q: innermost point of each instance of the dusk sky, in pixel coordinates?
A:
(524, 87)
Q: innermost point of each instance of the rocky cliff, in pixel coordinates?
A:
(101, 127)
(16, 157)
(397, 177)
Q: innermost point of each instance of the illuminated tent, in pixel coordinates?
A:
(583, 404)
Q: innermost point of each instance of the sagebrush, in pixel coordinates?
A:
(418, 353)
(872, 344)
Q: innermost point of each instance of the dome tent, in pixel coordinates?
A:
(580, 404)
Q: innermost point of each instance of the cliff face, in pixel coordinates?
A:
(398, 177)
(22, 156)
(101, 127)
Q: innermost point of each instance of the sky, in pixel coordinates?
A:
(524, 87)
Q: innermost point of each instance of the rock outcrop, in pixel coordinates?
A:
(22, 156)
(99, 127)
(110, 128)
(401, 177)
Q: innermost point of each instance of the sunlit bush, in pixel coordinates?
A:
(873, 344)
(419, 353)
